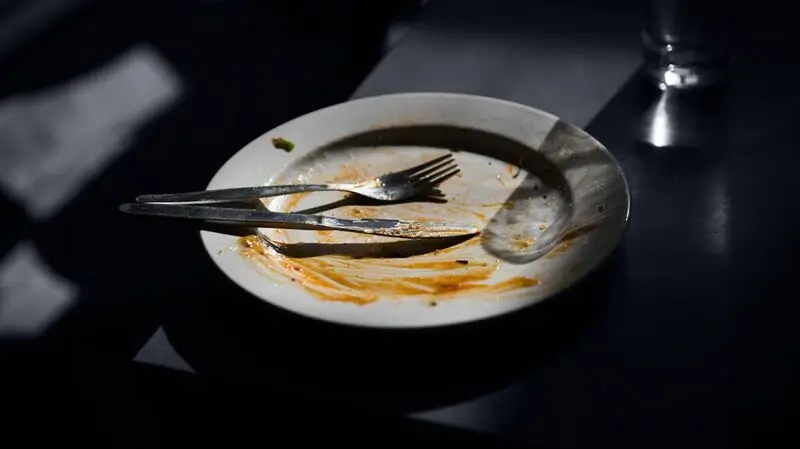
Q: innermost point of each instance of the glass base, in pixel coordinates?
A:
(683, 66)
(673, 76)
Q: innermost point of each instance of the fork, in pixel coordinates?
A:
(396, 186)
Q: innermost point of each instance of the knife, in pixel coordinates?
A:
(268, 219)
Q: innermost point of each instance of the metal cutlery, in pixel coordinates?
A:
(408, 183)
(263, 218)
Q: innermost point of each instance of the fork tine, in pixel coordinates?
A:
(435, 169)
(424, 165)
(441, 177)
(431, 174)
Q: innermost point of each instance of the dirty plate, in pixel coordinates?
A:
(551, 200)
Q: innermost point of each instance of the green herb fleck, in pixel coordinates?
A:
(282, 144)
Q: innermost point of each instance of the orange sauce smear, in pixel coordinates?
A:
(360, 281)
(440, 274)
(568, 240)
(524, 242)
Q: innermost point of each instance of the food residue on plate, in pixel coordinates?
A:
(523, 242)
(569, 239)
(282, 144)
(361, 212)
(366, 280)
(362, 269)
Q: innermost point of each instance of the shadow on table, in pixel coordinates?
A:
(236, 339)
(192, 411)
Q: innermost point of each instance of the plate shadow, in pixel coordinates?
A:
(232, 337)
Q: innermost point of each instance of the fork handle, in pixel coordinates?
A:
(237, 194)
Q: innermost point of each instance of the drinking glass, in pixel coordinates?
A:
(687, 42)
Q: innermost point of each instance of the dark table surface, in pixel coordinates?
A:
(685, 338)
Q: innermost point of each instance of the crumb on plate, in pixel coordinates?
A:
(282, 144)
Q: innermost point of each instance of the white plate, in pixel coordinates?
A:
(546, 224)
